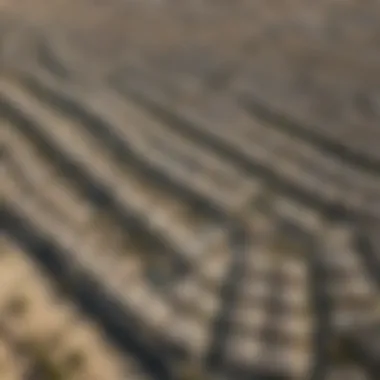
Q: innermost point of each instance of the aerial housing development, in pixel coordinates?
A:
(189, 194)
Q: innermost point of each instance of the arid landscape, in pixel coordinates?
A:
(191, 190)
